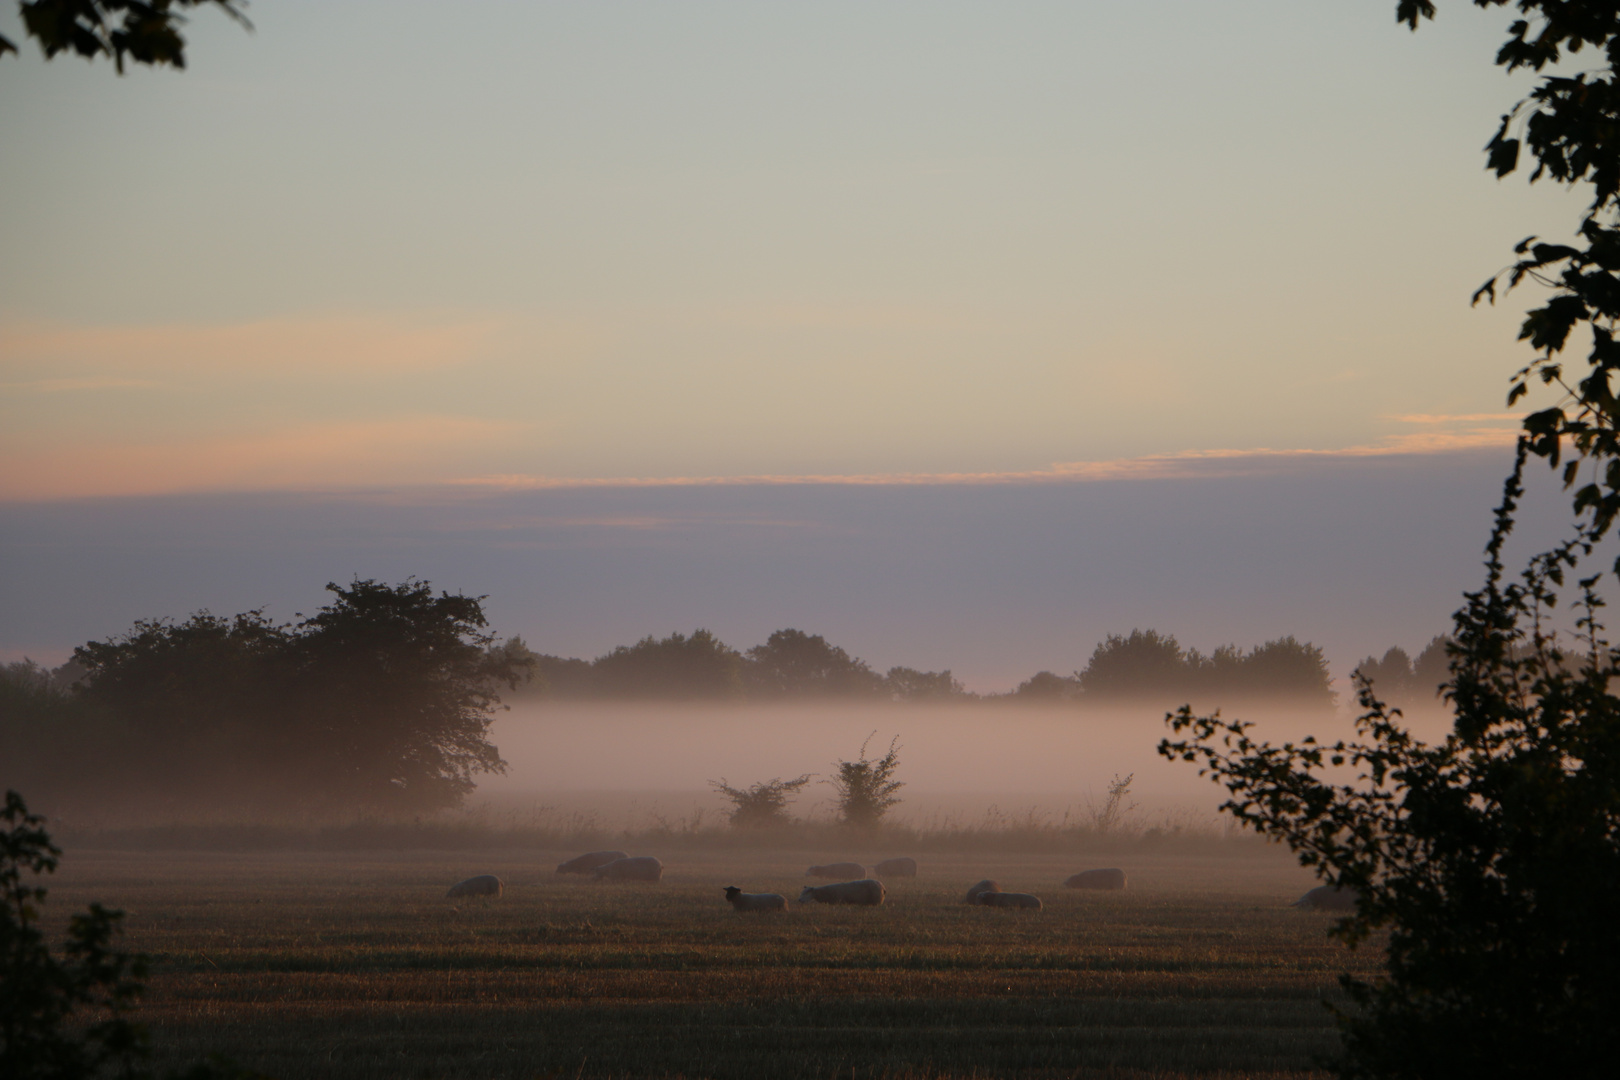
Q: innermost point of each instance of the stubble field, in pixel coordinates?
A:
(332, 965)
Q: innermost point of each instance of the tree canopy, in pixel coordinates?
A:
(698, 667)
(794, 664)
(381, 699)
(1148, 664)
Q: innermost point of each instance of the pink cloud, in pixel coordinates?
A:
(409, 449)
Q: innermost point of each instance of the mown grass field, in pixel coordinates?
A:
(331, 965)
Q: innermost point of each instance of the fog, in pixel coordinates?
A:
(627, 764)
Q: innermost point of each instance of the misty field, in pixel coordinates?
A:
(332, 965)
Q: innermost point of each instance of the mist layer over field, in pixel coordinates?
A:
(959, 762)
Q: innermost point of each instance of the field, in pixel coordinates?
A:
(354, 965)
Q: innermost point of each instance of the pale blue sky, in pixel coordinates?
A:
(651, 239)
(399, 245)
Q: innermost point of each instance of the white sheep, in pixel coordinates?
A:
(866, 892)
(755, 901)
(482, 885)
(640, 868)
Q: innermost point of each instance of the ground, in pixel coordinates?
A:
(355, 965)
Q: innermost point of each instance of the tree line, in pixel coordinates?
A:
(793, 665)
(383, 698)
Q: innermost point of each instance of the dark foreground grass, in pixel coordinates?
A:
(355, 966)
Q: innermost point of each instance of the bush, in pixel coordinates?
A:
(68, 1018)
(762, 806)
(866, 788)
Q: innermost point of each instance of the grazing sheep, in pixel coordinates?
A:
(584, 864)
(1112, 878)
(905, 866)
(755, 901)
(640, 868)
(866, 892)
(482, 885)
(982, 887)
(837, 870)
(1009, 900)
(1329, 898)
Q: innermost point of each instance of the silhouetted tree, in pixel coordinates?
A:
(762, 806)
(1149, 664)
(1430, 667)
(677, 668)
(1145, 660)
(1391, 676)
(1492, 859)
(146, 31)
(382, 698)
(909, 684)
(1044, 688)
(795, 665)
(1409, 683)
(1286, 668)
(866, 789)
(403, 688)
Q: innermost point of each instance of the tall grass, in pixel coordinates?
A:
(1111, 825)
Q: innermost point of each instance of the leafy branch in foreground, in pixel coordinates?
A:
(1491, 859)
(1570, 125)
(146, 31)
(67, 1019)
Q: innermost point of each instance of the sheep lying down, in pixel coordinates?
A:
(755, 901)
(975, 891)
(1111, 878)
(1328, 898)
(866, 892)
(482, 885)
(584, 864)
(1022, 900)
(639, 868)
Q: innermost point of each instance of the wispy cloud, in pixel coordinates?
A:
(357, 342)
(313, 457)
(1456, 418)
(63, 386)
(1179, 465)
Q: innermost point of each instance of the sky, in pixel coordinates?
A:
(961, 333)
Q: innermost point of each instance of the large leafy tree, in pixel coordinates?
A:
(1490, 861)
(381, 698)
(681, 667)
(401, 687)
(794, 664)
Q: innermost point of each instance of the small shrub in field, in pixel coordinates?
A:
(762, 806)
(1110, 815)
(866, 789)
